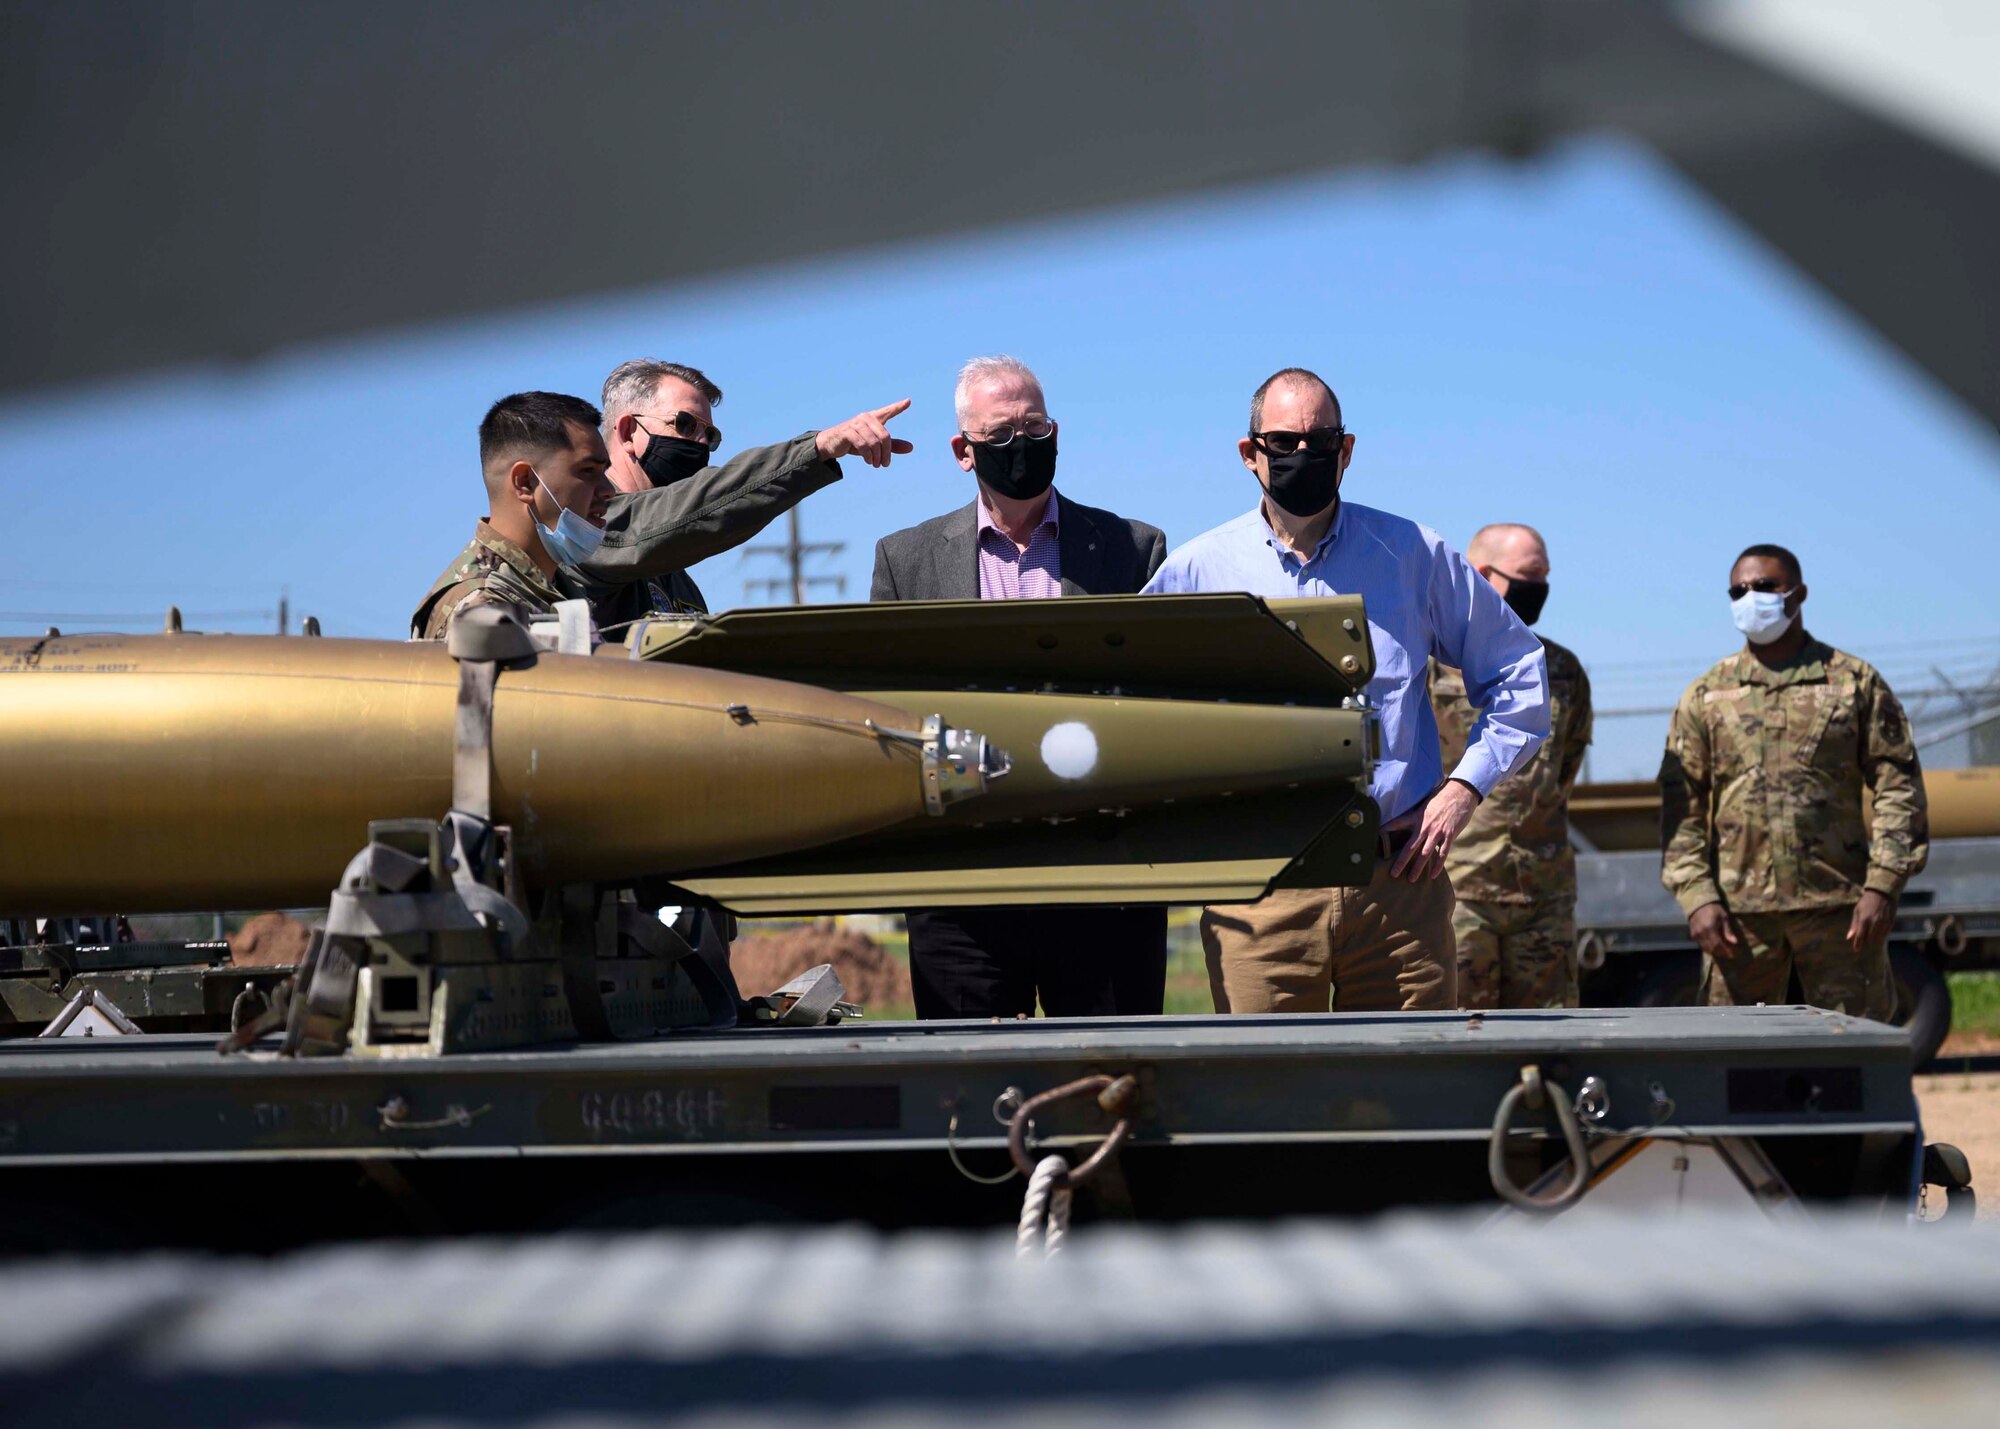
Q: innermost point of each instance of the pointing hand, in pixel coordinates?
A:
(866, 436)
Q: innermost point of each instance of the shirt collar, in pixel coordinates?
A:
(1051, 516)
(1271, 536)
(524, 564)
(1806, 667)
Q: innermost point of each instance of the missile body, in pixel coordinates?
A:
(1189, 748)
(187, 772)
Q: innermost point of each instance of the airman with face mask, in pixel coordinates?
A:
(1766, 845)
(547, 493)
(1512, 869)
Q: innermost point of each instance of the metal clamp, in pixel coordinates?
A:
(1114, 1094)
(957, 764)
(1945, 1166)
(1537, 1093)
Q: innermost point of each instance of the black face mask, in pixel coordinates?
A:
(1305, 482)
(1019, 471)
(667, 460)
(1526, 598)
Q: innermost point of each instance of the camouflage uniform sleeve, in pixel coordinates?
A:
(1686, 833)
(1453, 712)
(1576, 739)
(1899, 842)
(465, 595)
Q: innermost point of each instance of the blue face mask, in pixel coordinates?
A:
(572, 540)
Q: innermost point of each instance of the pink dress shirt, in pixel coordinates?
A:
(1006, 572)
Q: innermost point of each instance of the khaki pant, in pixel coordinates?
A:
(1516, 954)
(1376, 949)
(1812, 941)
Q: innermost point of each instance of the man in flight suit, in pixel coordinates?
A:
(674, 509)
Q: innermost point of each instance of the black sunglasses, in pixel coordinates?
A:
(1320, 441)
(689, 428)
(1763, 585)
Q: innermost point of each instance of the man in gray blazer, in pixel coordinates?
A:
(1019, 539)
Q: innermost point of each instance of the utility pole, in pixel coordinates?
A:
(794, 552)
(285, 612)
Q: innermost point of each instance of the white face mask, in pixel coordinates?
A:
(1760, 615)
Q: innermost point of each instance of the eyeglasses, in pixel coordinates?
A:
(1763, 585)
(1035, 429)
(689, 428)
(1320, 441)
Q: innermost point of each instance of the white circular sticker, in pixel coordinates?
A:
(1069, 750)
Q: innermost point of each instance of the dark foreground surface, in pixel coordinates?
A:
(1590, 1319)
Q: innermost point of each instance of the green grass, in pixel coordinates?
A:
(1975, 1002)
(1187, 977)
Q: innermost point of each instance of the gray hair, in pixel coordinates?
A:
(981, 370)
(634, 384)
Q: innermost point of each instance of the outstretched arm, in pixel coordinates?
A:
(650, 533)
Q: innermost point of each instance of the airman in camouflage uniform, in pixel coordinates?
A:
(1512, 868)
(1765, 843)
(547, 498)
(490, 568)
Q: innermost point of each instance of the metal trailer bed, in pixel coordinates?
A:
(888, 1123)
(1634, 949)
(1954, 902)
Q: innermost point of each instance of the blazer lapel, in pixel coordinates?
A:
(1080, 546)
(957, 556)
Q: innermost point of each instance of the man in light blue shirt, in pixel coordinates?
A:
(1388, 945)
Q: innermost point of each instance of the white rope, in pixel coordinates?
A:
(1044, 1210)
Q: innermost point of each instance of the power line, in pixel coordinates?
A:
(1989, 691)
(1988, 647)
(794, 552)
(50, 617)
(121, 621)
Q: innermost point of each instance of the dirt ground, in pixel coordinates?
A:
(1964, 1109)
(764, 962)
(268, 940)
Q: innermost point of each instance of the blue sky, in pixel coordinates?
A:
(1581, 343)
